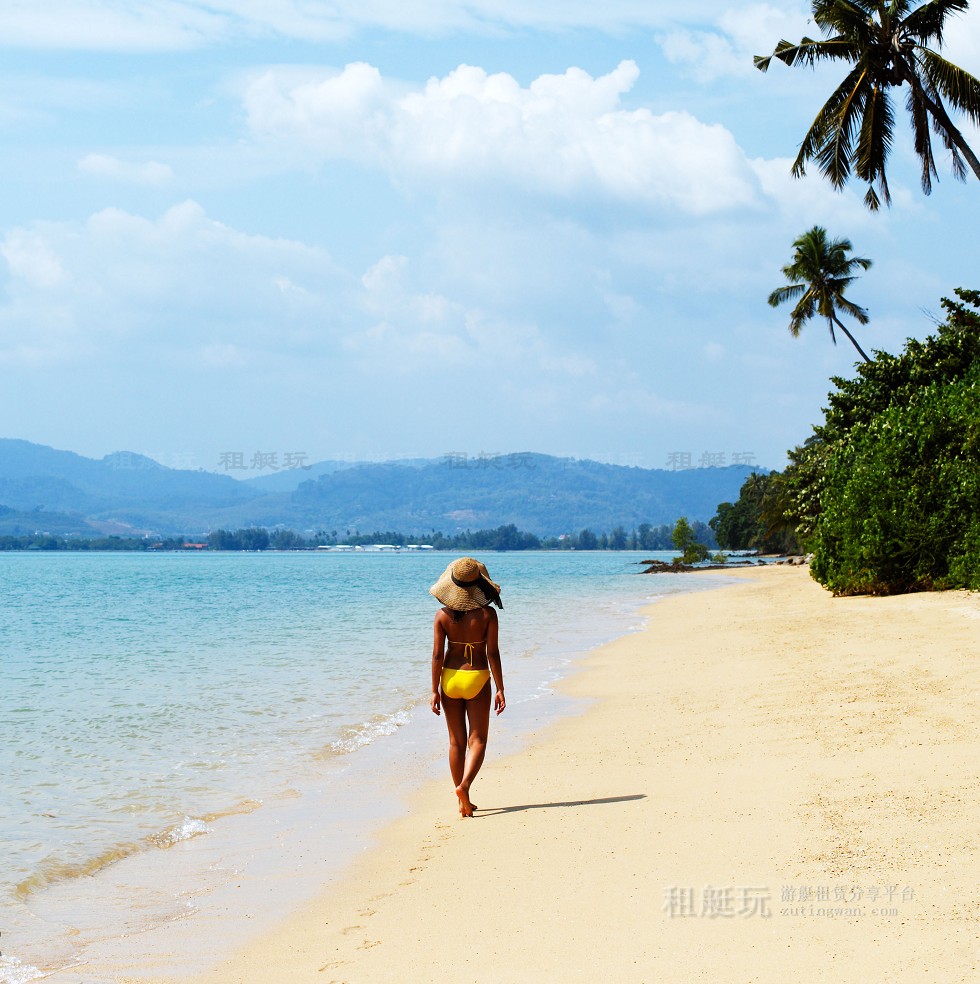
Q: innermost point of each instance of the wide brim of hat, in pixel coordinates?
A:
(460, 599)
(457, 598)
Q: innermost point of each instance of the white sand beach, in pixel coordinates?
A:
(769, 784)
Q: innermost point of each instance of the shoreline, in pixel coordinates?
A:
(207, 895)
(787, 749)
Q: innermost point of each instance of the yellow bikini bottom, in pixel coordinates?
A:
(464, 684)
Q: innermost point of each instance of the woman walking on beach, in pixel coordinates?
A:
(465, 656)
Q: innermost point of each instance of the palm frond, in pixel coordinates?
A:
(927, 23)
(875, 140)
(961, 153)
(808, 52)
(782, 294)
(888, 43)
(848, 18)
(960, 89)
(956, 163)
(836, 154)
(859, 314)
(819, 272)
(916, 106)
(833, 128)
(802, 313)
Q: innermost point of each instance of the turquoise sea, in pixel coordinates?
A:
(178, 730)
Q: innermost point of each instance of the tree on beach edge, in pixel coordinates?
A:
(820, 271)
(886, 492)
(757, 520)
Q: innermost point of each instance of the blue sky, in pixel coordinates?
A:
(376, 230)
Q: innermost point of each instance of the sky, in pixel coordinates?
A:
(243, 236)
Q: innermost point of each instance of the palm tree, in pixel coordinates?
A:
(819, 273)
(887, 43)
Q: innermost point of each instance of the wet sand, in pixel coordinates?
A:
(768, 784)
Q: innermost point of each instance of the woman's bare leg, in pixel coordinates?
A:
(454, 711)
(478, 716)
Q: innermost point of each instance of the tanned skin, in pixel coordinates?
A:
(468, 720)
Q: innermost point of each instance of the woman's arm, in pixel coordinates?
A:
(438, 656)
(493, 658)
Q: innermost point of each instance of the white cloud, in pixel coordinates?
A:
(183, 289)
(172, 285)
(726, 46)
(706, 54)
(411, 326)
(168, 25)
(106, 166)
(563, 135)
(738, 35)
(812, 197)
(32, 259)
(340, 115)
(90, 25)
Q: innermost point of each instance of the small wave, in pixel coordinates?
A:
(187, 828)
(358, 735)
(14, 971)
(53, 870)
(239, 809)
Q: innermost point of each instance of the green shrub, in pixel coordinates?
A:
(900, 497)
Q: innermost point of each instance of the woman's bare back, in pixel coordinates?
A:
(466, 639)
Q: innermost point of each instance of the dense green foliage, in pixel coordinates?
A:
(901, 503)
(686, 540)
(887, 492)
(507, 537)
(48, 541)
(757, 521)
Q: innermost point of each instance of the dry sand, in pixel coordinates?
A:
(772, 785)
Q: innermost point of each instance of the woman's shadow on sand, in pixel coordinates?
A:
(601, 801)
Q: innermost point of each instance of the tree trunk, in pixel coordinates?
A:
(843, 328)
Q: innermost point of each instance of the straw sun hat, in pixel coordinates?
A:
(466, 585)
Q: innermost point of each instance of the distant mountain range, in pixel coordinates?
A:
(126, 493)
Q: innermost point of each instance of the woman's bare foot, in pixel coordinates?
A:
(466, 808)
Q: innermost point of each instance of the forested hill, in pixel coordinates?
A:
(41, 487)
(537, 493)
